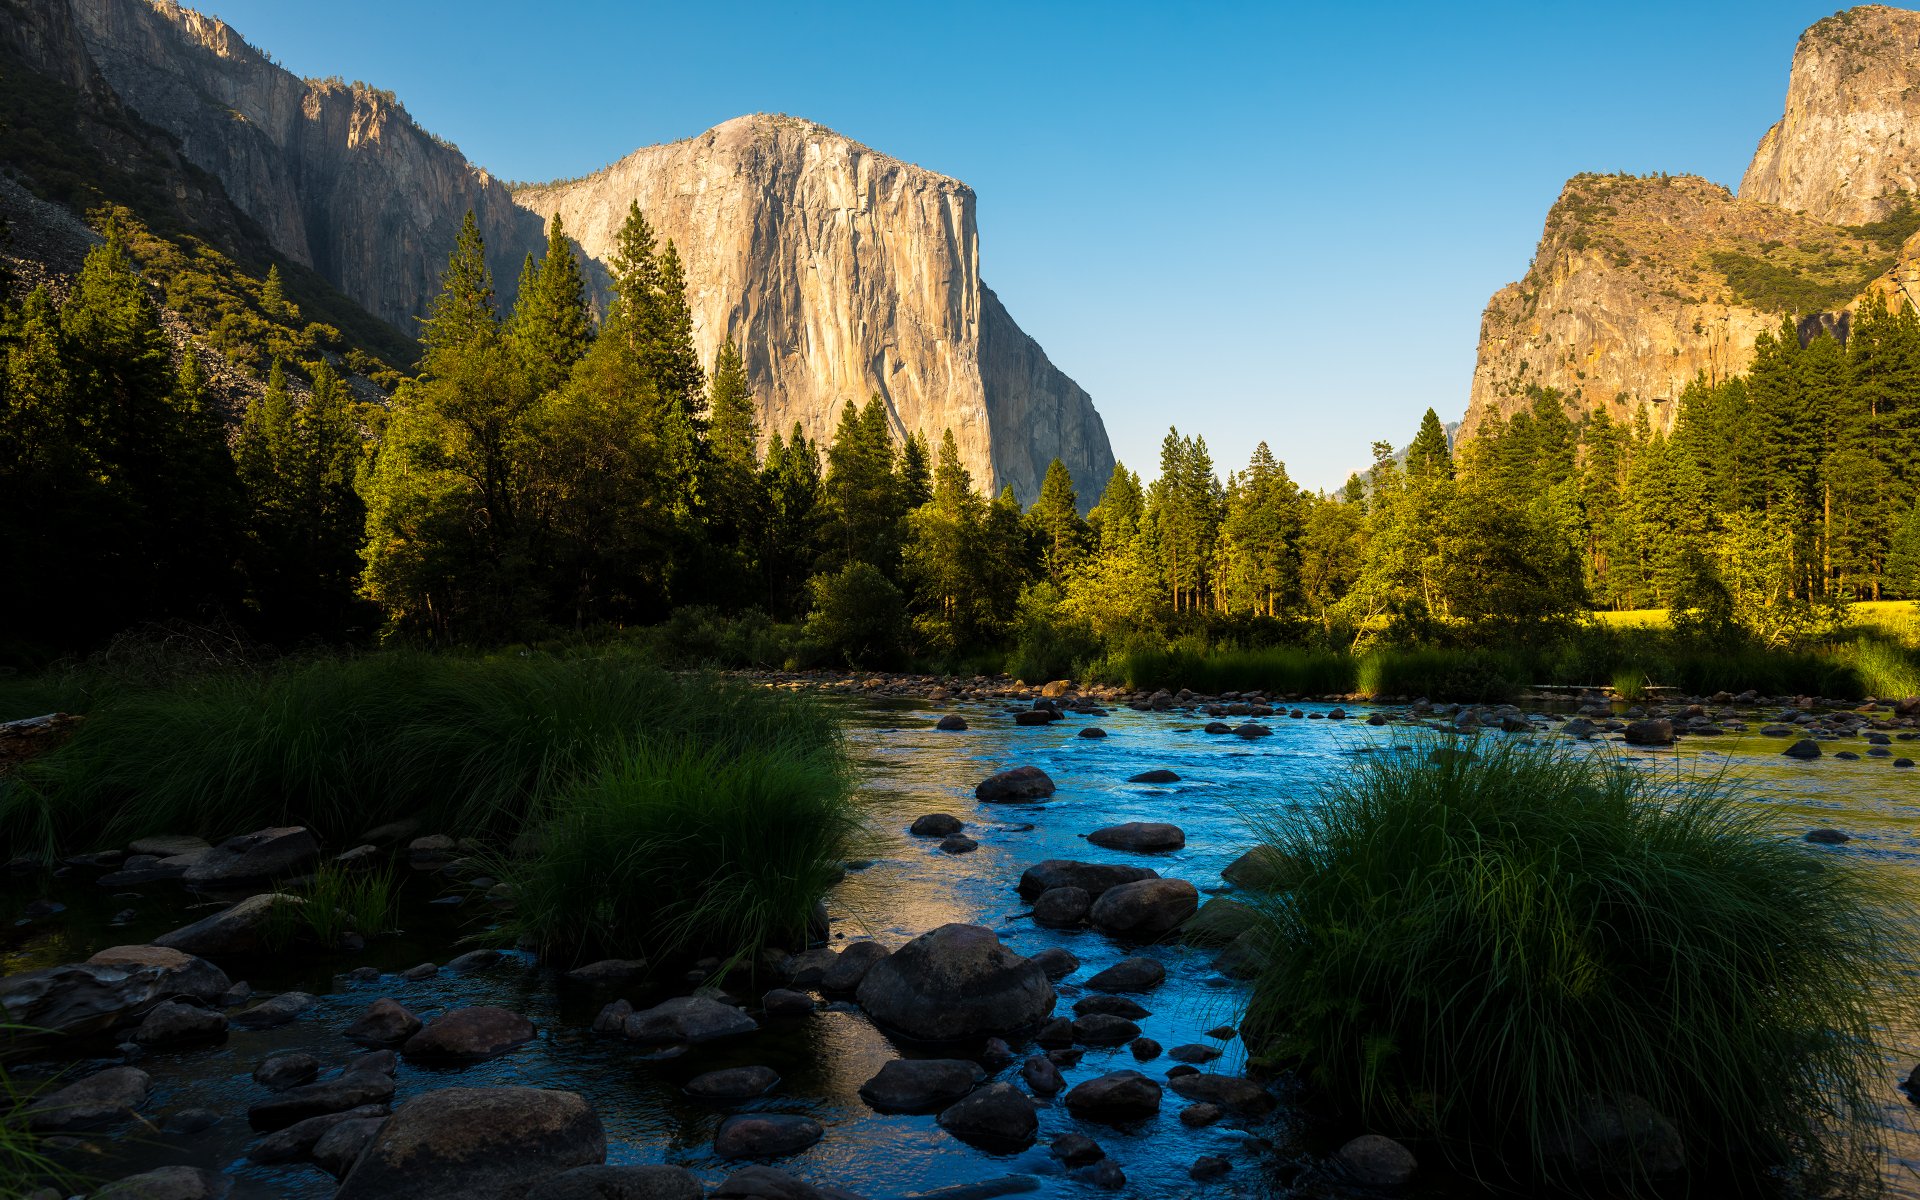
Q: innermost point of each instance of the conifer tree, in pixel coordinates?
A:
(1054, 524)
(273, 300)
(916, 471)
(1431, 454)
(551, 324)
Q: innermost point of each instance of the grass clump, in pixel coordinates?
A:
(676, 847)
(24, 1162)
(1476, 947)
(336, 901)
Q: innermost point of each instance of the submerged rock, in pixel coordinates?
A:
(1148, 908)
(1142, 837)
(691, 1019)
(476, 1144)
(1117, 1097)
(997, 1116)
(765, 1135)
(1017, 784)
(468, 1035)
(957, 981)
(1161, 775)
(733, 1084)
(1093, 878)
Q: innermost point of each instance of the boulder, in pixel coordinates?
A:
(958, 844)
(765, 1183)
(1114, 1098)
(279, 1010)
(952, 723)
(1042, 1075)
(1062, 908)
(1076, 1149)
(177, 1023)
(1118, 1006)
(1231, 1092)
(606, 1182)
(168, 845)
(241, 929)
(1092, 731)
(1161, 775)
(957, 981)
(1376, 1162)
(1092, 878)
(296, 1141)
(1129, 975)
(367, 1079)
(109, 989)
(733, 1084)
(1657, 731)
(1103, 1029)
(1620, 1136)
(997, 1116)
(936, 825)
(340, 1147)
(1220, 920)
(1251, 730)
(476, 1144)
(1056, 963)
(783, 1002)
(1035, 716)
(386, 1022)
(474, 960)
(468, 1035)
(1261, 869)
(1193, 1052)
(1198, 1116)
(278, 1072)
(1012, 786)
(1805, 748)
(691, 1019)
(765, 1135)
(1145, 909)
(101, 1099)
(610, 972)
(851, 966)
(1141, 837)
(912, 1085)
(254, 858)
(169, 1183)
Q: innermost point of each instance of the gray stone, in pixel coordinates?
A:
(1129, 975)
(241, 929)
(366, 1080)
(938, 825)
(1623, 1136)
(851, 965)
(1805, 748)
(1093, 878)
(783, 1002)
(340, 1147)
(1076, 1149)
(910, 1085)
(957, 981)
(476, 1144)
(1193, 1052)
(1196, 1116)
(296, 1141)
(110, 989)
(1056, 962)
(1141, 837)
(169, 1183)
(649, 1182)
(1261, 869)
(386, 1022)
(1160, 775)
(1231, 1092)
(691, 1019)
(733, 1084)
(1219, 921)
(1103, 1029)
(765, 1135)
(952, 722)
(610, 972)
(1062, 908)
(958, 844)
(1117, 1006)
(765, 1183)
(100, 1099)
(1115, 1098)
(997, 1116)
(280, 1010)
(278, 1072)
(1371, 1160)
(177, 1023)
(1146, 909)
(468, 1035)
(1042, 1075)
(254, 857)
(1014, 785)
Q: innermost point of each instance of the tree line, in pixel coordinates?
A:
(552, 470)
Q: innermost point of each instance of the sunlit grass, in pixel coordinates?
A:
(1476, 946)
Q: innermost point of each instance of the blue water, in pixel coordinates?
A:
(909, 769)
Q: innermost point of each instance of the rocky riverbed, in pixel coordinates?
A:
(1014, 994)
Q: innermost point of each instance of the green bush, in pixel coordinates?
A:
(676, 848)
(336, 901)
(1477, 946)
(1436, 672)
(857, 615)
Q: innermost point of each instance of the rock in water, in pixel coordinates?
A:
(909, 1085)
(1657, 732)
(653, 1182)
(468, 1035)
(386, 1022)
(476, 1144)
(100, 1099)
(1148, 908)
(254, 857)
(238, 930)
(1092, 878)
(765, 1135)
(733, 1084)
(108, 990)
(689, 1019)
(1117, 1097)
(1145, 837)
(1014, 785)
(1805, 748)
(957, 981)
(997, 1116)
(170, 1183)
(1376, 1162)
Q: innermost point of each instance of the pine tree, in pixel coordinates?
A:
(795, 495)
(916, 471)
(863, 490)
(552, 325)
(1431, 454)
(1054, 524)
(273, 300)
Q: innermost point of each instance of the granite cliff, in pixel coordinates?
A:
(1641, 284)
(841, 272)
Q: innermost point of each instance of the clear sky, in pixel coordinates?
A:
(1261, 222)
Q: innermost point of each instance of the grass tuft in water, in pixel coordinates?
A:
(335, 902)
(678, 848)
(1476, 946)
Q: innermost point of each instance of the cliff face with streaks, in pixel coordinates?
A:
(840, 272)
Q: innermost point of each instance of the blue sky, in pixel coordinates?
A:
(1270, 222)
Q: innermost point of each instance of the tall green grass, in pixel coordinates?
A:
(336, 901)
(474, 746)
(676, 847)
(1477, 946)
(24, 1162)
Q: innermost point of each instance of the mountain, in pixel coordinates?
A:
(841, 272)
(1641, 284)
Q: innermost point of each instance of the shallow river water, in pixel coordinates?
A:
(908, 769)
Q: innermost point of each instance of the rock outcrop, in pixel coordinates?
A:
(840, 272)
(1842, 153)
(1642, 284)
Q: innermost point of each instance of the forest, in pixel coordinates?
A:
(550, 473)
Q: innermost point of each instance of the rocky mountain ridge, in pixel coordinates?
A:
(1641, 284)
(841, 272)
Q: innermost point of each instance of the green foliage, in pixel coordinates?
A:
(857, 615)
(677, 848)
(1797, 287)
(1475, 946)
(336, 901)
(478, 745)
(25, 1164)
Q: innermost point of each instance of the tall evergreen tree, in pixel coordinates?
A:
(1054, 524)
(1431, 454)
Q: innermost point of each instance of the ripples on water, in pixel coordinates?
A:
(909, 769)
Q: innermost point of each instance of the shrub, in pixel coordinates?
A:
(676, 848)
(1477, 946)
(857, 614)
(335, 902)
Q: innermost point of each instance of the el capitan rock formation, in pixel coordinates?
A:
(841, 272)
